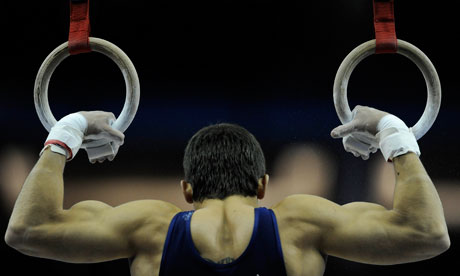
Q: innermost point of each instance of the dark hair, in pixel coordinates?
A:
(222, 160)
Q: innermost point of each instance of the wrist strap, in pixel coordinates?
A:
(63, 146)
(56, 149)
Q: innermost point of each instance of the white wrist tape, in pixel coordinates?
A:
(395, 138)
(69, 131)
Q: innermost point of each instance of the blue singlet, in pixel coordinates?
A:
(262, 257)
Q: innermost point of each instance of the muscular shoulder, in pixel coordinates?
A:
(302, 223)
(153, 213)
(145, 210)
(148, 208)
(322, 213)
(308, 209)
(151, 219)
(132, 219)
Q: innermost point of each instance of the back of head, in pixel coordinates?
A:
(223, 160)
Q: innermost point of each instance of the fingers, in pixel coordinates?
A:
(115, 150)
(114, 135)
(108, 131)
(359, 134)
(348, 128)
(101, 160)
(351, 144)
(359, 146)
(103, 152)
(363, 119)
(114, 139)
(110, 118)
(343, 130)
(100, 129)
(100, 126)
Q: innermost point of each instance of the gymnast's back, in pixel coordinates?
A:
(227, 233)
(231, 237)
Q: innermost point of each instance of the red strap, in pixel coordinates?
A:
(384, 25)
(79, 27)
(62, 144)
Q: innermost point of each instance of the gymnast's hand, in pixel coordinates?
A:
(67, 135)
(371, 129)
(364, 121)
(100, 127)
(359, 135)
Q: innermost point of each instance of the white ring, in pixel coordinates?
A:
(99, 45)
(406, 49)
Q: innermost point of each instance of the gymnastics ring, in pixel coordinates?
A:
(406, 49)
(96, 149)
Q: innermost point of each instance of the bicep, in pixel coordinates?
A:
(85, 233)
(368, 233)
(92, 231)
(362, 232)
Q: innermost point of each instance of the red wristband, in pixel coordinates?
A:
(63, 145)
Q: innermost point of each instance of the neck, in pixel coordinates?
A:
(218, 203)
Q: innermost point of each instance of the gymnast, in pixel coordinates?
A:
(227, 233)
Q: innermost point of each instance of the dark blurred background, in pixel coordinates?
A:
(266, 65)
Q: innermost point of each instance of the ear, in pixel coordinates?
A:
(263, 182)
(187, 191)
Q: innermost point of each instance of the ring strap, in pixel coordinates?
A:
(384, 25)
(79, 27)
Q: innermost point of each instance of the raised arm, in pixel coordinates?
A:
(90, 231)
(414, 229)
